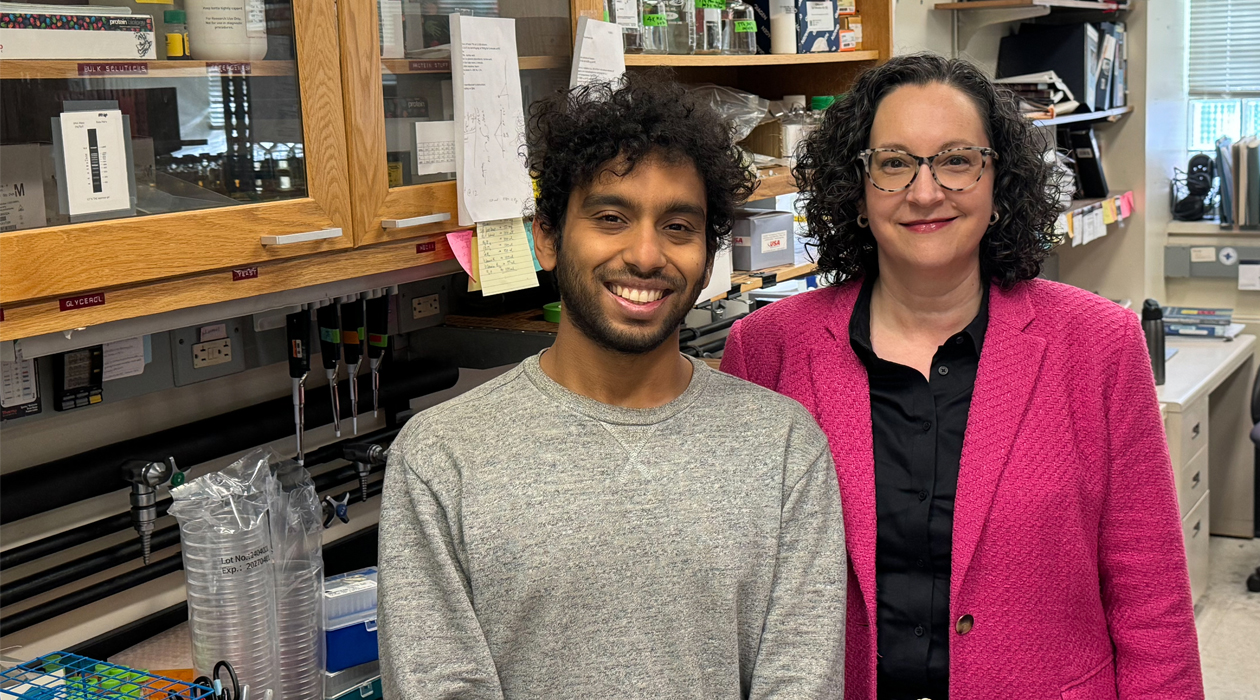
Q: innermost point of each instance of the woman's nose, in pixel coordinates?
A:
(924, 191)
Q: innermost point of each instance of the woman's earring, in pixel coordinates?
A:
(994, 219)
(862, 221)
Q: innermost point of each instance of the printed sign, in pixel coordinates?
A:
(82, 301)
(245, 273)
(99, 69)
(426, 247)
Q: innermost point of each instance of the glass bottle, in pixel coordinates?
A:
(680, 23)
(627, 14)
(655, 26)
(739, 29)
(709, 26)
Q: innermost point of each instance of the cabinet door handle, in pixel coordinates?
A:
(291, 238)
(1196, 480)
(416, 220)
(1194, 432)
(1197, 527)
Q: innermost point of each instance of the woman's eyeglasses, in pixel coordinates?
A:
(955, 169)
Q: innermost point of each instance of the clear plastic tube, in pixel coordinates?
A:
(297, 534)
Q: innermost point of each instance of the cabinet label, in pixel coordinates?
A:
(245, 273)
(93, 69)
(426, 247)
(229, 68)
(82, 301)
(435, 66)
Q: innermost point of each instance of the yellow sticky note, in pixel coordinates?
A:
(473, 276)
(504, 260)
(1109, 211)
(1068, 224)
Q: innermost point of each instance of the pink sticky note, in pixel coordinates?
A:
(461, 245)
(1126, 205)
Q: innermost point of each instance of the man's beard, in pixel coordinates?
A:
(580, 298)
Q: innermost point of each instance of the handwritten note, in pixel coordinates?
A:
(123, 358)
(435, 147)
(493, 183)
(504, 262)
(1109, 211)
(462, 246)
(597, 53)
(474, 274)
(1126, 205)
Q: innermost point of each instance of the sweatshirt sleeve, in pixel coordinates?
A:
(801, 656)
(431, 645)
(1142, 561)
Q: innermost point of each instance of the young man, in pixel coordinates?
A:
(612, 519)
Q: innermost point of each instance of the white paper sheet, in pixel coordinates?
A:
(1100, 227)
(17, 383)
(597, 53)
(435, 147)
(21, 188)
(1078, 229)
(720, 279)
(1249, 275)
(95, 150)
(493, 183)
(123, 358)
(504, 261)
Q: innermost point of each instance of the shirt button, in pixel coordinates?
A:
(942, 370)
(919, 563)
(918, 631)
(923, 495)
(927, 425)
(958, 340)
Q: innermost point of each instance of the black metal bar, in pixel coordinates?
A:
(61, 482)
(22, 619)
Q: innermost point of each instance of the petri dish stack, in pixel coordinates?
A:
(301, 615)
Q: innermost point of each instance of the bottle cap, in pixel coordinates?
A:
(1151, 311)
(175, 17)
(821, 102)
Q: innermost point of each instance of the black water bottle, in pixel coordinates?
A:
(1153, 326)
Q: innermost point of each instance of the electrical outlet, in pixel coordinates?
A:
(426, 306)
(214, 352)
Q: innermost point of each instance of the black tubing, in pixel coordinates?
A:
(22, 619)
(61, 482)
(71, 538)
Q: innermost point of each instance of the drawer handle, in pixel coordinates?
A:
(291, 238)
(1197, 526)
(416, 220)
(1196, 480)
(1194, 432)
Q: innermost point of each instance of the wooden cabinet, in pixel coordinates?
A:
(246, 222)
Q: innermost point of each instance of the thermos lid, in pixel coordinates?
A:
(1151, 311)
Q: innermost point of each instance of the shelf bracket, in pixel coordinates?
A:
(968, 23)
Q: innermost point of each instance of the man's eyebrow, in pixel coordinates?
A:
(682, 207)
(606, 200)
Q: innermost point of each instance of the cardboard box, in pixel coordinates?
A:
(817, 26)
(846, 7)
(766, 139)
(855, 23)
(848, 40)
(762, 239)
(83, 36)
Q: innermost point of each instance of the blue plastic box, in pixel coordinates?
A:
(350, 619)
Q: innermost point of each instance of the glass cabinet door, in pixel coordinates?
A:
(142, 140)
(410, 163)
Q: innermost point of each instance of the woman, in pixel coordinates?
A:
(1011, 518)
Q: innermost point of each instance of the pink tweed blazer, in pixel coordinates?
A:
(1068, 549)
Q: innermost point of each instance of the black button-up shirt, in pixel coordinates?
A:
(918, 426)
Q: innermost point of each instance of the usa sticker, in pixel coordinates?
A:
(773, 241)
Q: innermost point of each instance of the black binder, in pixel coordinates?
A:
(1070, 50)
(1093, 183)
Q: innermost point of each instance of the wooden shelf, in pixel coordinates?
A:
(749, 281)
(1013, 4)
(37, 69)
(1109, 115)
(757, 60)
(422, 66)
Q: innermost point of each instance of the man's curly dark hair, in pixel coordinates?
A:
(833, 182)
(575, 134)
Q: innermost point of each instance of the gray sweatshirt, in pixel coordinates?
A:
(539, 544)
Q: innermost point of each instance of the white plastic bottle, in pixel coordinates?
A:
(739, 29)
(227, 30)
(709, 26)
(783, 26)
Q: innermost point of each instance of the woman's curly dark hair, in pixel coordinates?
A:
(833, 182)
(575, 134)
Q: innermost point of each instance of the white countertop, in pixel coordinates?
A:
(1199, 366)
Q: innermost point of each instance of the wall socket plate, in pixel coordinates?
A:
(209, 351)
(430, 305)
(421, 304)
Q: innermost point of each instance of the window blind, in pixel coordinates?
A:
(1225, 48)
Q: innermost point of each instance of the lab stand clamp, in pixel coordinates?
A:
(145, 477)
(365, 455)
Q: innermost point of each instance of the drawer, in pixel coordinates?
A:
(1192, 481)
(1187, 432)
(1195, 529)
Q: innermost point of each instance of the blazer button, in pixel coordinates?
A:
(965, 623)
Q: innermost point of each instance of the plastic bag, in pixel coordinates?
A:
(742, 110)
(297, 537)
(225, 538)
